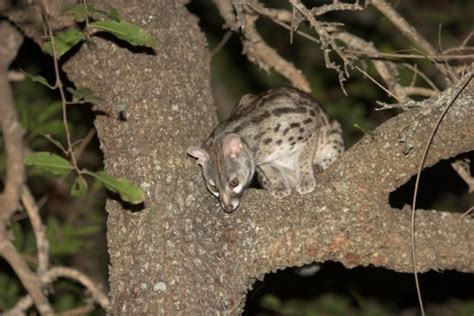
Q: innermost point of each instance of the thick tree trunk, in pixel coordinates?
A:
(181, 254)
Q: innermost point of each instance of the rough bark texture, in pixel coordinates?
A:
(181, 254)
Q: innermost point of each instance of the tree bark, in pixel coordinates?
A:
(181, 254)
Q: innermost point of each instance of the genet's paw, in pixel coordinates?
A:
(306, 183)
(280, 190)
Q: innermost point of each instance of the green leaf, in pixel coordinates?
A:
(63, 41)
(130, 33)
(39, 79)
(49, 162)
(84, 95)
(79, 188)
(127, 191)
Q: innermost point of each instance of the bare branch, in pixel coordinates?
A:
(327, 43)
(386, 70)
(411, 33)
(62, 272)
(266, 57)
(464, 171)
(39, 230)
(10, 41)
(255, 47)
(29, 280)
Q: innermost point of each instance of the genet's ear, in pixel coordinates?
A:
(232, 145)
(200, 154)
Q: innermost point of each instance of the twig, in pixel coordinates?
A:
(464, 171)
(222, 43)
(392, 56)
(425, 92)
(266, 57)
(85, 142)
(60, 87)
(42, 244)
(415, 193)
(327, 43)
(411, 33)
(378, 84)
(423, 76)
(386, 70)
(62, 272)
(29, 280)
(466, 213)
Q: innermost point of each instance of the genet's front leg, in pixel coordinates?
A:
(272, 178)
(305, 182)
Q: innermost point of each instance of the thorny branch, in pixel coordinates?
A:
(329, 38)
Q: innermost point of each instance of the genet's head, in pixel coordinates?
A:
(227, 167)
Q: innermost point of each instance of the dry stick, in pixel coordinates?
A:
(378, 84)
(222, 43)
(266, 57)
(466, 213)
(411, 33)
(42, 244)
(436, 57)
(464, 171)
(420, 91)
(415, 193)
(59, 85)
(327, 43)
(281, 22)
(29, 280)
(62, 272)
(423, 76)
(386, 69)
(257, 50)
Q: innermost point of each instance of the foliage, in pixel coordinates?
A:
(40, 116)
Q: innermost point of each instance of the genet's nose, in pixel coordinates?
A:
(229, 208)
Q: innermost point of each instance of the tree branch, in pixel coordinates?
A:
(348, 219)
(10, 42)
(412, 34)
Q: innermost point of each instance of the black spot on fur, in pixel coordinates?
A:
(295, 125)
(267, 141)
(281, 111)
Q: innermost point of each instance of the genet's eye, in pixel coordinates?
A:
(234, 182)
(213, 187)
